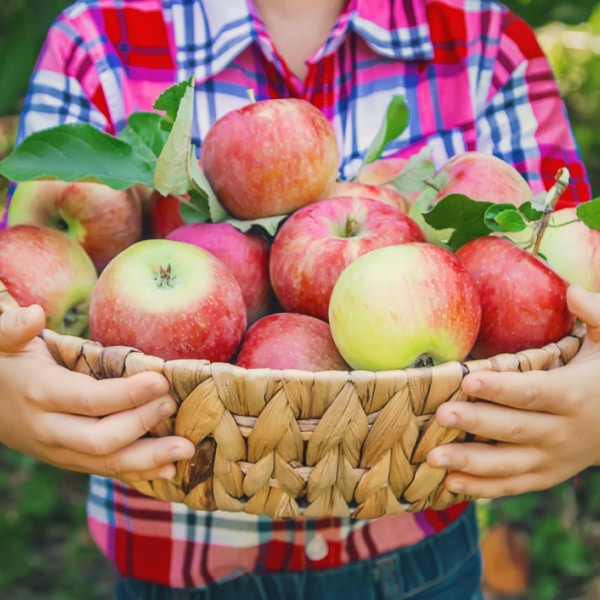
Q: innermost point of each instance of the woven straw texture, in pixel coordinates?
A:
(294, 444)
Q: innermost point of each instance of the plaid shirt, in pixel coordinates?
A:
(474, 78)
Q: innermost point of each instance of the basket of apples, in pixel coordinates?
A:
(309, 327)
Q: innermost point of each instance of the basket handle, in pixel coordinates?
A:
(6, 300)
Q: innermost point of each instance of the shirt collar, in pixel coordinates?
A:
(395, 29)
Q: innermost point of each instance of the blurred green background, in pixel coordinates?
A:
(45, 549)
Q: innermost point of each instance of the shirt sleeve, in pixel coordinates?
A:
(523, 118)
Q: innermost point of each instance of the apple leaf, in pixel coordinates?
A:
(144, 134)
(589, 213)
(216, 211)
(419, 168)
(268, 224)
(169, 102)
(461, 213)
(395, 122)
(78, 152)
(534, 209)
(504, 217)
(194, 208)
(171, 175)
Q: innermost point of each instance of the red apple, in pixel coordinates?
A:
(406, 305)
(290, 341)
(317, 242)
(40, 265)
(523, 300)
(477, 175)
(245, 254)
(169, 299)
(572, 249)
(104, 221)
(270, 157)
(163, 214)
(385, 194)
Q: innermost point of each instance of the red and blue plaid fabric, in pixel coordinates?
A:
(474, 78)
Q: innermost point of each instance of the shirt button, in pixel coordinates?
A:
(317, 548)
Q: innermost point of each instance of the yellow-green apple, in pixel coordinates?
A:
(40, 265)
(407, 305)
(572, 249)
(315, 244)
(169, 299)
(104, 221)
(270, 157)
(385, 194)
(290, 341)
(246, 254)
(523, 300)
(479, 176)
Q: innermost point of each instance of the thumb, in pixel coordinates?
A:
(585, 306)
(20, 325)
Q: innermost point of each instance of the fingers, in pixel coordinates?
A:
(531, 391)
(146, 458)
(586, 306)
(18, 326)
(106, 435)
(479, 487)
(79, 394)
(486, 460)
(500, 423)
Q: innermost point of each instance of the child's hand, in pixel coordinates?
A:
(73, 421)
(547, 422)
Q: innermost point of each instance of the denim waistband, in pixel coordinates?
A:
(405, 570)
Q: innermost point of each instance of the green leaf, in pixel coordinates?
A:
(532, 210)
(504, 217)
(269, 225)
(172, 169)
(144, 134)
(194, 209)
(589, 213)
(77, 152)
(215, 209)
(395, 122)
(170, 100)
(461, 213)
(415, 173)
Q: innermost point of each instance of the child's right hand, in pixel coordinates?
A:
(73, 421)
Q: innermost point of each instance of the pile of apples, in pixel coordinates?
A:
(353, 277)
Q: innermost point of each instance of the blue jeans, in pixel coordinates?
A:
(446, 566)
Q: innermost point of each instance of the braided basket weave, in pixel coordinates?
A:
(289, 444)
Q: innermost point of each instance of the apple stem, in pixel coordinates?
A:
(432, 184)
(554, 193)
(251, 95)
(164, 276)
(352, 227)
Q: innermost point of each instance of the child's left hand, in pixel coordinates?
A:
(547, 423)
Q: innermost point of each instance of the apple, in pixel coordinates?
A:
(385, 194)
(314, 245)
(163, 214)
(407, 305)
(40, 265)
(572, 249)
(246, 254)
(479, 176)
(290, 341)
(104, 221)
(382, 170)
(523, 300)
(169, 299)
(270, 157)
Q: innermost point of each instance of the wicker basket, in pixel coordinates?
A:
(292, 443)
